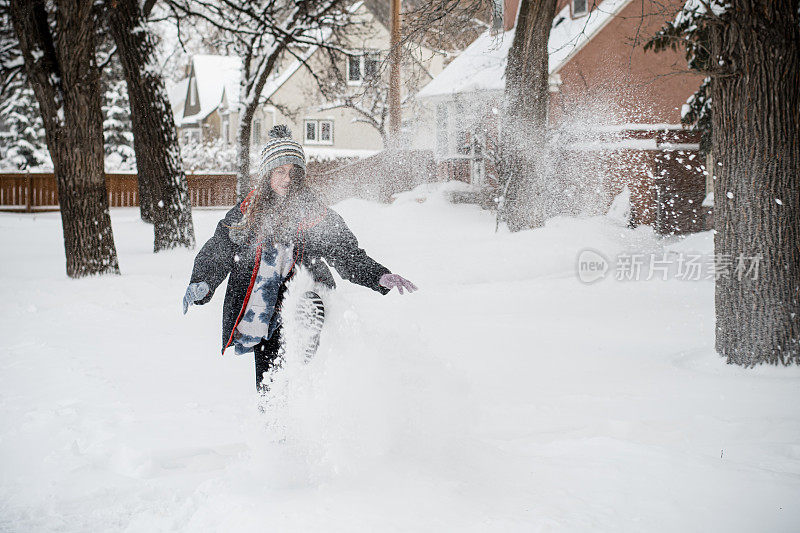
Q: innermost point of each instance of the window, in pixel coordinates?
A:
(326, 131)
(442, 137)
(353, 69)
(191, 135)
(362, 67)
(311, 130)
(318, 131)
(463, 142)
(477, 146)
(371, 62)
(256, 132)
(579, 8)
(226, 128)
(192, 91)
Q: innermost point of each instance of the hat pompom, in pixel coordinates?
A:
(281, 131)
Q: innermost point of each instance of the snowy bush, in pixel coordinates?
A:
(22, 140)
(217, 156)
(117, 134)
(117, 126)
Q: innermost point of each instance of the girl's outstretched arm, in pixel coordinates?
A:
(215, 259)
(341, 251)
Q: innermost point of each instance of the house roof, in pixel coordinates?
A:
(216, 77)
(482, 66)
(177, 98)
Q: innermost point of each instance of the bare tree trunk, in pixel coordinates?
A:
(243, 185)
(525, 119)
(66, 81)
(162, 182)
(395, 110)
(756, 143)
(251, 89)
(527, 68)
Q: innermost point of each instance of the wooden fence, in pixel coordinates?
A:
(36, 191)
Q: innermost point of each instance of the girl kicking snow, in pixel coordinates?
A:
(263, 241)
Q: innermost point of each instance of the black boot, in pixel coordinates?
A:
(311, 317)
(267, 357)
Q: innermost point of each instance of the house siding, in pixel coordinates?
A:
(635, 86)
(302, 98)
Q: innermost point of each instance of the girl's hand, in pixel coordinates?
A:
(391, 281)
(195, 292)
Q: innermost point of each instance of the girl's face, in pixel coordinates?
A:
(280, 178)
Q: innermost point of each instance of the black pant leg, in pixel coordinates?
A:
(266, 357)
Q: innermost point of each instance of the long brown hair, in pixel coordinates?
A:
(271, 217)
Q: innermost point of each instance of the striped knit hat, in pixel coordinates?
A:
(281, 149)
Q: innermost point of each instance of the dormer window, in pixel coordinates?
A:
(192, 91)
(579, 8)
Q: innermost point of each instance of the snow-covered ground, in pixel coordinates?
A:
(505, 395)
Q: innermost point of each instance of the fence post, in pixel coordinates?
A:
(28, 193)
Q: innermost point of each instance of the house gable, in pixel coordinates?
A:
(377, 38)
(191, 100)
(212, 80)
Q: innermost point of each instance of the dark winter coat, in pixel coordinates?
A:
(325, 237)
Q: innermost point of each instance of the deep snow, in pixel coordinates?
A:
(505, 395)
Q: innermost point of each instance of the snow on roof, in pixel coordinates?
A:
(482, 66)
(215, 76)
(177, 98)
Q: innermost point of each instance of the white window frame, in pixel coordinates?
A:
(317, 124)
(577, 14)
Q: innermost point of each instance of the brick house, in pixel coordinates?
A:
(596, 56)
